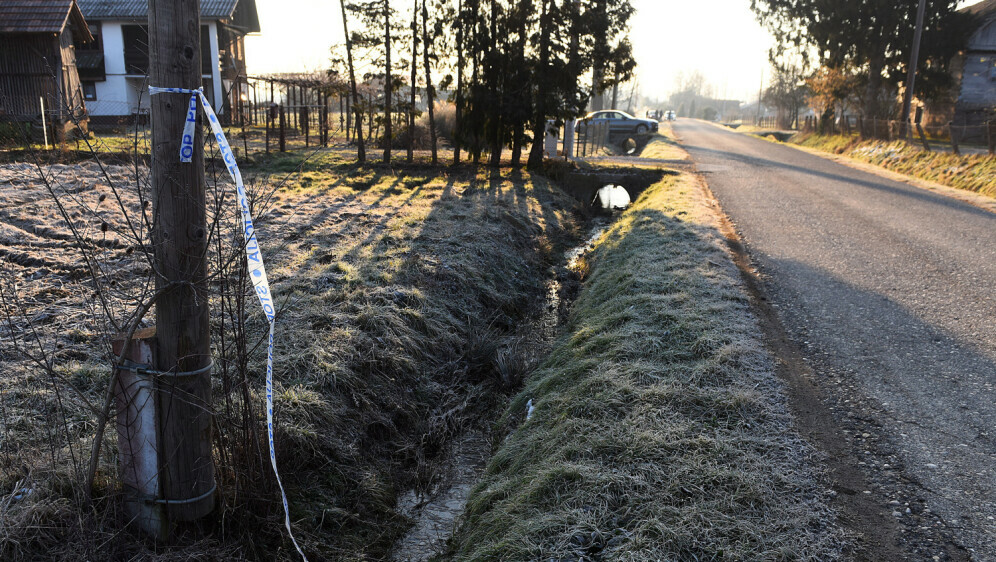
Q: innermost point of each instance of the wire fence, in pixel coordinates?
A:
(590, 139)
(971, 138)
(261, 114)
(977, 138)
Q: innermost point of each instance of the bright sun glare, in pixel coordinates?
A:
(719, 38)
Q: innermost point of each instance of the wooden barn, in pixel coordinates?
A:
(38, 62)
(977, 93)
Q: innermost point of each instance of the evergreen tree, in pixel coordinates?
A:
(377, 19)
(430, 93)
(872, 36)
(357, 107)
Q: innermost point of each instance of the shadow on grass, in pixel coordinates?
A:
(407, 292)
(657, 431)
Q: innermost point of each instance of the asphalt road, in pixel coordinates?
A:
(889, 290)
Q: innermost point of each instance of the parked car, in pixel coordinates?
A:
(620, 122)
(655, 114)
(671, 116)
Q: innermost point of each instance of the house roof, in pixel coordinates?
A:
(139, 9)
(42, 16)
(984, 8)
(90, 60)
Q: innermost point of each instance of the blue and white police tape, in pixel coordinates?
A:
(253, 255)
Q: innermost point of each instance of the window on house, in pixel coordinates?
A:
(89, 91)
(136, 49)
(96, 45)
(205, 50)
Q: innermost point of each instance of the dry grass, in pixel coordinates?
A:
(969, 172)
(664, 145)
(404, 295)
(659, 431)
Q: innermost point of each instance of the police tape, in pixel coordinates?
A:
(254, 258)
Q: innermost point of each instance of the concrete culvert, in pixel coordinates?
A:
(612, 197)
(630, 146)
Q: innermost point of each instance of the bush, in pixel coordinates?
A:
(423, 141)
(13, 133)
(445, 113)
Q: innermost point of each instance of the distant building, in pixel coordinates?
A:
(976, 101)
(37, 61)
(114, 68)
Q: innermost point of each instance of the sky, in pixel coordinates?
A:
(719, 38)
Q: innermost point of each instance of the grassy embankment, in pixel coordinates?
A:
(659, 431)
(969, 172)
(663, 145)
(404, 293)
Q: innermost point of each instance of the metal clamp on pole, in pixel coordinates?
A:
(201, 497)
(144, 369)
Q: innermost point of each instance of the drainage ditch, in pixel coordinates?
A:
(436, 512)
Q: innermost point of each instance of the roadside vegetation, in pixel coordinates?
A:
(664, 145)
(971, 172)
(655, 430)
(406, 304)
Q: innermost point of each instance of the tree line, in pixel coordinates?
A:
(510, 66)
(857, 52)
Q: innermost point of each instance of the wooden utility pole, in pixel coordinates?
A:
(911, 72)
(179, 236)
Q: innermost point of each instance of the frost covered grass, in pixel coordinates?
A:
(404, 295)
(659, 430)
(975, 172)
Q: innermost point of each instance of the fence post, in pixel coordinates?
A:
(923, 137)
(253, 115)
(305, 122)
(283, 124)
(44, 126)
(919, 128)
(954, 138)
(569, 139)
(325, 123)
(991, 136)
(293, 105)
(270, 117)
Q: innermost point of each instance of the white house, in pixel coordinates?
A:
(977, 96)
(114, 67)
